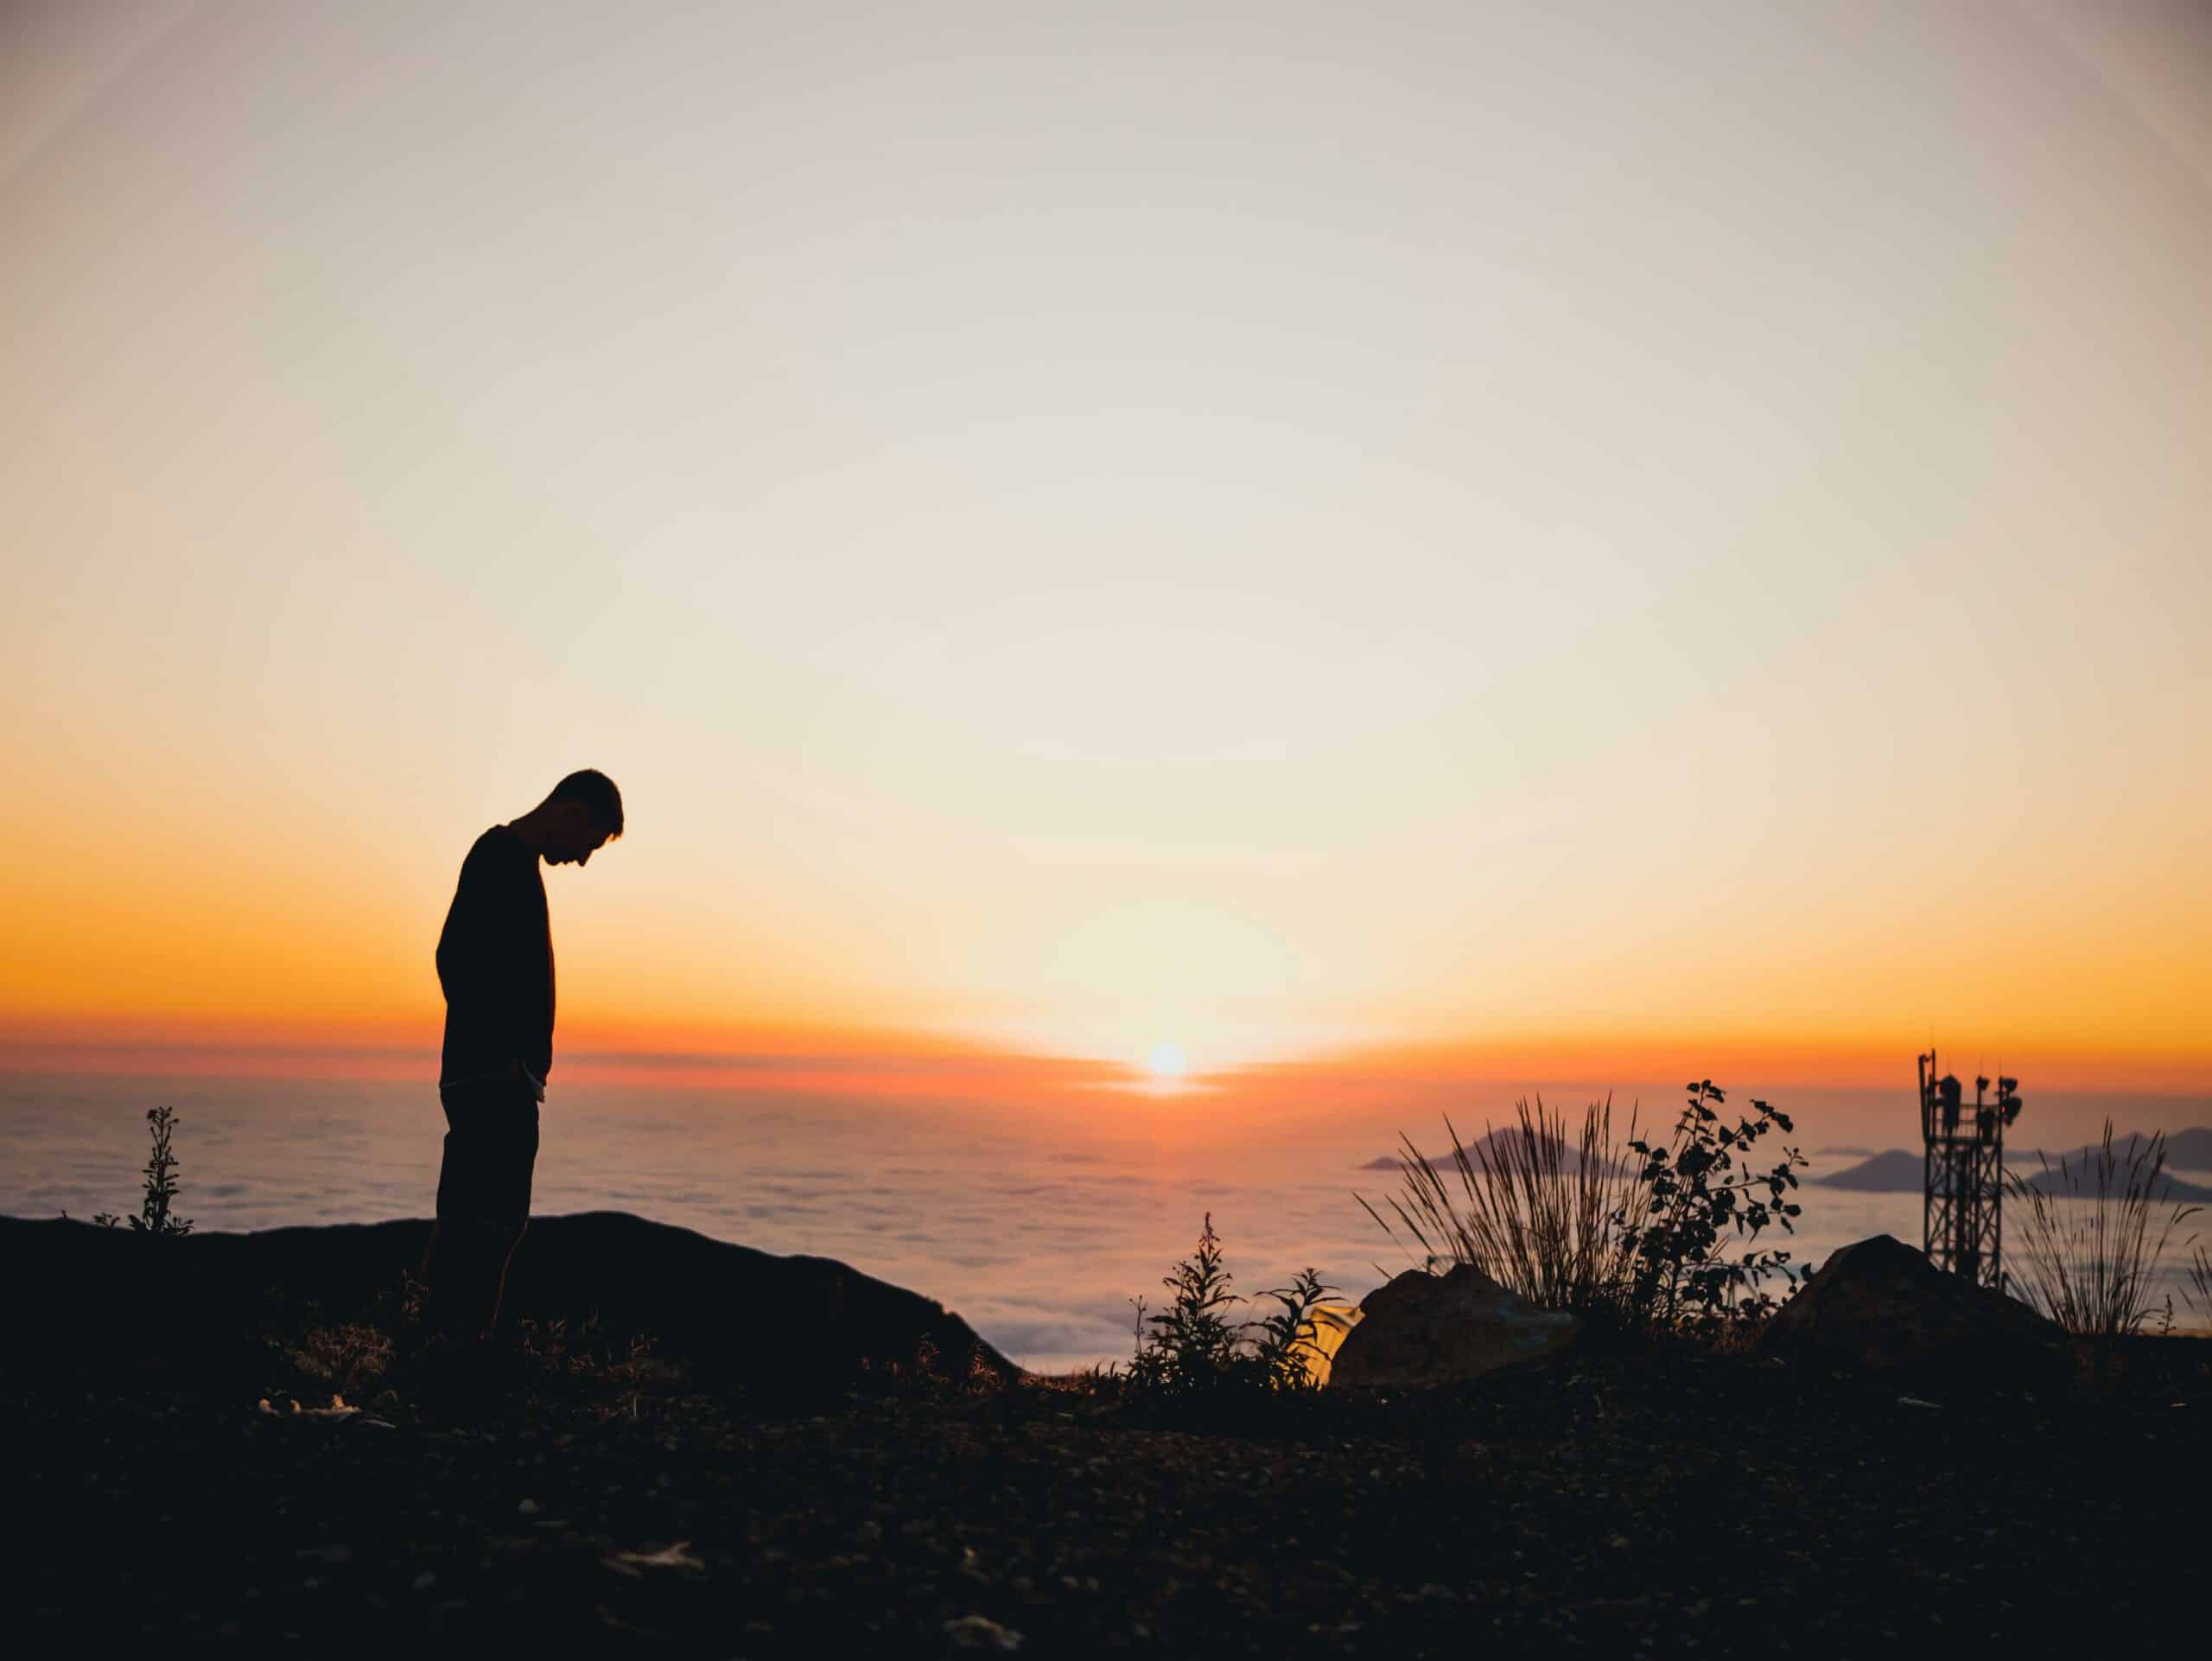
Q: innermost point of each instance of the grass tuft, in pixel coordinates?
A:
(2198, 1294)
(2092, 1239)
(1548, 1215)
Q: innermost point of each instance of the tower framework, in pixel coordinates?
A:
(1963, 1216)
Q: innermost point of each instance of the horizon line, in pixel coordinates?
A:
(1803, 1066)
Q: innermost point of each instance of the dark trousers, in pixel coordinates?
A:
(483, 1203)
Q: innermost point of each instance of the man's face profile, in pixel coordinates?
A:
(579, 835)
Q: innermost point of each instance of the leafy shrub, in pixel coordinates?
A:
(154, 1217)
(1543, 1216)
(1700, 1191)
(2088, 1249)
(1193, 1346)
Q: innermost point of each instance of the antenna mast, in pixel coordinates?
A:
(1962, 1211)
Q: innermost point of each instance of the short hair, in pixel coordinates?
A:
(595, 791)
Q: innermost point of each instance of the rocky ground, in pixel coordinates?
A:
(1624, 1502)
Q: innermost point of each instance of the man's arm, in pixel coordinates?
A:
(484, 952)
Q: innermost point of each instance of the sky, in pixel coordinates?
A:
(1552, 539)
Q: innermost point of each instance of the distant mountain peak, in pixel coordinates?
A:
(1494, 1143)
(1900, 1170)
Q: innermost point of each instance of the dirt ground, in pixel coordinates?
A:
(1662, 1501)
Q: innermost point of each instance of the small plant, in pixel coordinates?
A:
(2090, 1246)
(1192, 1339)
(587, 1355)
(1701, 1192)
(343, 1356)
(1289, 1340)
(154, 1217)
(1192, 1345)
(928, 1373)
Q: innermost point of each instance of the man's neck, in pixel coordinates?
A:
(532, 829)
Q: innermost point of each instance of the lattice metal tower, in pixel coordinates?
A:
(1962, 1217)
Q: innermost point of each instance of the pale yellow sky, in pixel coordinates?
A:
(1258, 527)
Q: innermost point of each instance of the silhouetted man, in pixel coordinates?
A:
(495, 961)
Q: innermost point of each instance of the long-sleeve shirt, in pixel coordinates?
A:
(495, 961)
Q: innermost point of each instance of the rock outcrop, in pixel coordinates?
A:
(1424, 1329)
(202, 1302)
(1879, 1308)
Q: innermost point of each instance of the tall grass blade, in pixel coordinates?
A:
(1537, 1206)
(2092, 1238)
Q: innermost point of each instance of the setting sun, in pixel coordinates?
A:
(1167, 1063)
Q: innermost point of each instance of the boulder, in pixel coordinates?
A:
(1880, 1308)
(1425, 1329)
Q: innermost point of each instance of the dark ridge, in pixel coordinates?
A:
(2168, 1188)
(2189, 1150)
(1570, 1152)
(1894, 1172)
(1900, 1171)
(731, 1312)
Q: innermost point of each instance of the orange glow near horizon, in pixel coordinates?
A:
(920, 1066)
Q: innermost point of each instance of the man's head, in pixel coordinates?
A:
(581, 815)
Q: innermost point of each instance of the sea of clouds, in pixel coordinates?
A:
(1039, 1236)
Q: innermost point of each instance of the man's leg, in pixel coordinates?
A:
(484, 1185)
(464, 1273)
